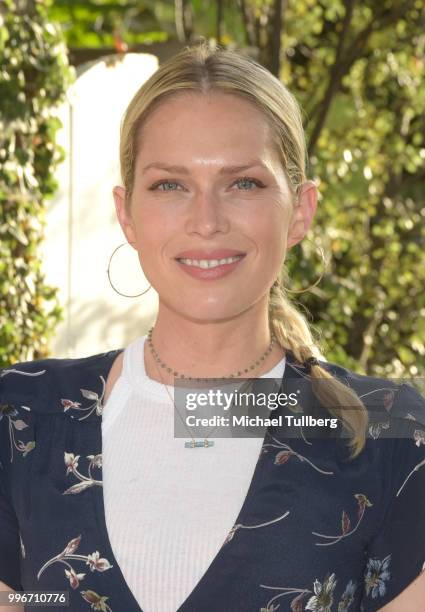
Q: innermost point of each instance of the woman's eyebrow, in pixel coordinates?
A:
(223, 170)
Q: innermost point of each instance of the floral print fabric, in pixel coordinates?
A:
(315, 532)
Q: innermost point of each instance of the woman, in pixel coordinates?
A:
(100, 499)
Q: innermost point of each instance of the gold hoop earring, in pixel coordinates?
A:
(314, 284)
(109, 276)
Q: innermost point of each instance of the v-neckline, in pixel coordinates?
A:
(255, 482)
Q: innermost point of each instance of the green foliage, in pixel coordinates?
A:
(100, 23)
(369, 162)
(33, 77)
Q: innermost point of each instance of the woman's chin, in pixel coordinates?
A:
(211, 306)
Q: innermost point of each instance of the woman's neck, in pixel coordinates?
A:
(210, 350)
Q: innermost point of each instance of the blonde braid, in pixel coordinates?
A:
(293, 333)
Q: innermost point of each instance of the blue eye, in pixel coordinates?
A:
(246, 179)
(163, 183)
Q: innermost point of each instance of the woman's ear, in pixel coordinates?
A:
(123, 214)
(304, 211)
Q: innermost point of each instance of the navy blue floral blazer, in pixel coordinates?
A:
(315, 531)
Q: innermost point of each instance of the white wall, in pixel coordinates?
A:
(82, 229)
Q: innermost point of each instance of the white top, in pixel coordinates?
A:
(168, 508)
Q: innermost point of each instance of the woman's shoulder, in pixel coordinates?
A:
(395, 407)
(49, 385)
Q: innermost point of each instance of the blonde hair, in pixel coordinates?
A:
(205, 69)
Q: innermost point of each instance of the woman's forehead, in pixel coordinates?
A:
(204, 135)
(198, 117)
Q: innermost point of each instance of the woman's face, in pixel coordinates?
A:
(185, 221)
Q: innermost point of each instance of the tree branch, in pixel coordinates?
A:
(343, 65)
(183, 19)
(219, 22)
(275, 38)
(337, 72)
(247, 20)
(378, 22)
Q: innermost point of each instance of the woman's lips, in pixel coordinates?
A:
(208, 253)
(209, 273)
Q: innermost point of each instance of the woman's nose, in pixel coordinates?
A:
(206, 215)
